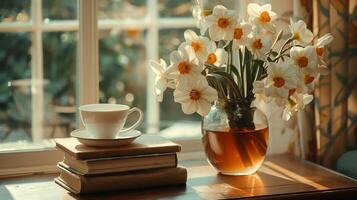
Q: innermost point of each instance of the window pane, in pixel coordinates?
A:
(15, 90)
(174, 8)
(170, 111)
(59, 53)
(121, 9)
(59, 10)
(15, 11)
(122, 57)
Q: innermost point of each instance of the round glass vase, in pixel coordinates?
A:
(235, 138)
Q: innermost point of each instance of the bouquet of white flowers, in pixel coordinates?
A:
(236, 60)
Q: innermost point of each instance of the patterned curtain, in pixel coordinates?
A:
(336, 94)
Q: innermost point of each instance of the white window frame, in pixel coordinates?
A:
(44, 160)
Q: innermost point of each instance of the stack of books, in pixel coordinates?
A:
(150, 161)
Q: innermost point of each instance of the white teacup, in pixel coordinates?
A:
(105, 121)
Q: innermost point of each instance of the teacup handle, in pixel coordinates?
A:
(137, 123)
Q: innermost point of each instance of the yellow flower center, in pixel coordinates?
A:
(278, 81)
(257, 44)
(264, 17)
(196, 46)
(211, 58)
(207, 12)
(302, 61)
(184, 67)
(296, 36)
(133, 32)
(223, 22)
(195, 94)
(238, 32)
(291, 92)
(320, 51)
(308, 79)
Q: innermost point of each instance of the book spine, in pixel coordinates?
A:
(173, 176)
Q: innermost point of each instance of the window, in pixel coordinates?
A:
(39, 87)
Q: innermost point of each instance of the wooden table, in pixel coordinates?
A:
(280, 177)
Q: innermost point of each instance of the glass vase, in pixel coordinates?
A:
(235, 137)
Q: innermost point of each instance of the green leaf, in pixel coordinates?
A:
(229, 81)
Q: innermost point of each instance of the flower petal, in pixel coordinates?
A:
(190, 35)
(219, 10)
(175, 57)
(203, 107)
(189, 107)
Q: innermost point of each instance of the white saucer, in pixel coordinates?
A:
(121, 139)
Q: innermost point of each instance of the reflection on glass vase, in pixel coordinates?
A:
(235, 137)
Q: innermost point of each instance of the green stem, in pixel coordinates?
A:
(282, 50)
(230, 57)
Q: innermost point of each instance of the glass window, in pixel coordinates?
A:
(121, 9)
(174, 8)
(15, 11)
(59, 60)
(15, 90)
(122, 57)
(59, 10)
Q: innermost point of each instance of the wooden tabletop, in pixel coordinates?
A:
(280, 177)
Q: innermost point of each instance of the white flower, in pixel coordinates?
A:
(306, 83)
(221, 23)
(216, 56)
(184, 63)
(281, 78)
(195, 95)
(322, 42)
(198, 44)
(320, 50)
(305, 59)
(259, 91)
(240, 37)
(299, 32)
(296, 102)
(259, 44)
(163, 79)
(262, 16)
(200, 17)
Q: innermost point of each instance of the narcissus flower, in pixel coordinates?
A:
(322, 42)
(300, 34)
(197, 44)
(281, 78)
(195, 95)
(306, 82)
(262, 16)
(163, 79)
(296, 102)
(184, 63)
(221, 23)
(305, 59)
(259, 44)
(320, 51)
(216, 56)
(241, 32)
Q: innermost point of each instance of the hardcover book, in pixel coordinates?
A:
(144, 145)
(119, 164)
(79, 184)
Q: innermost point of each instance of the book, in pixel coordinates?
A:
(79, 184)
(119, 164)
(144, 145)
